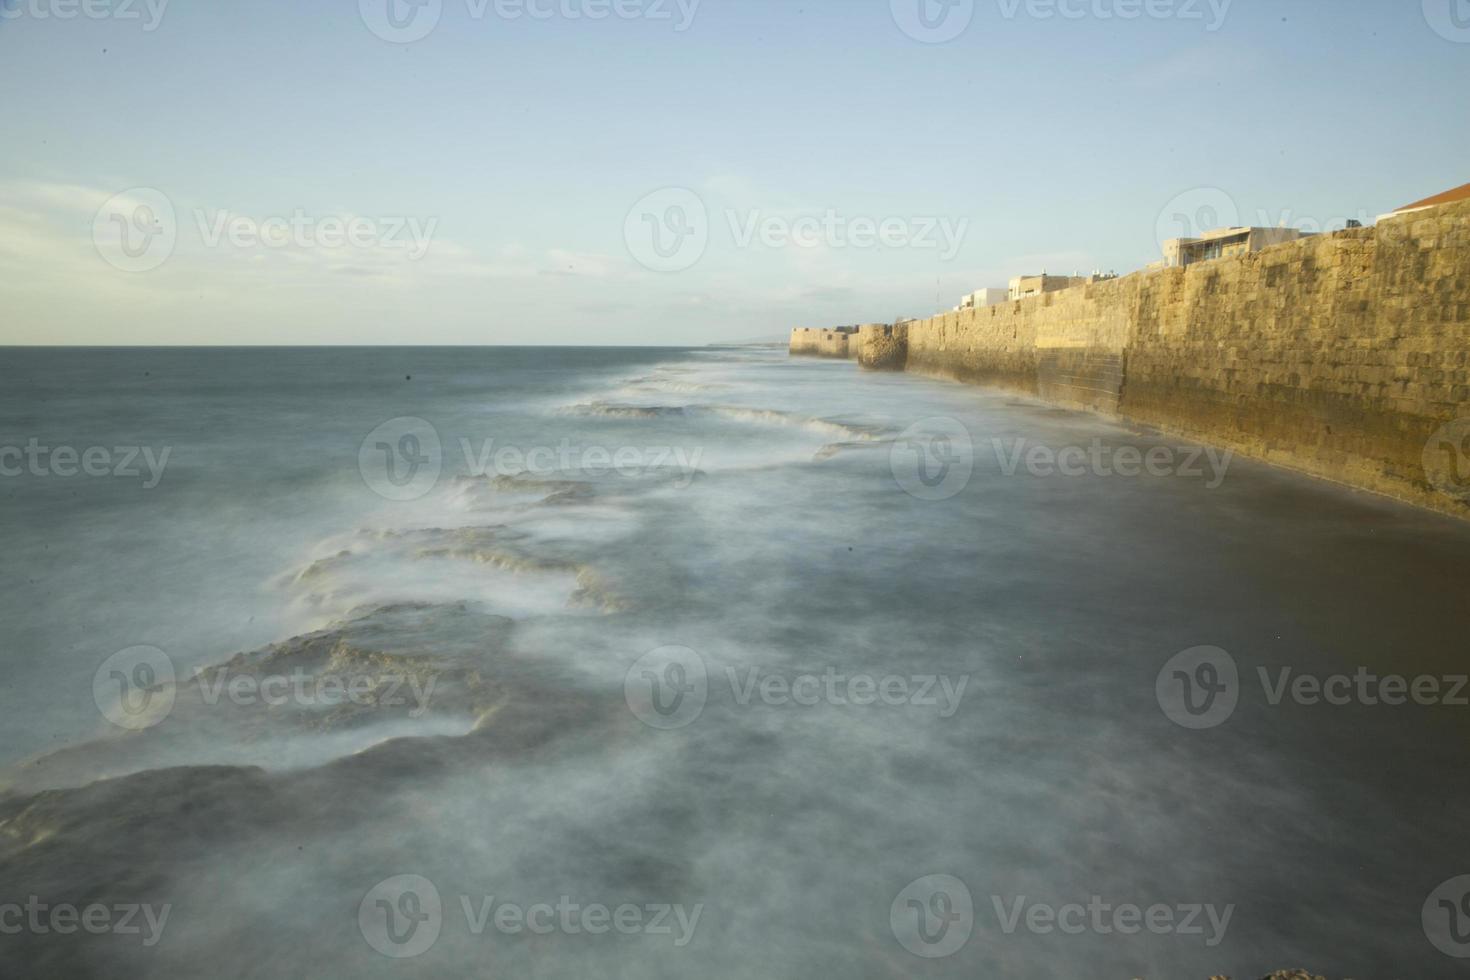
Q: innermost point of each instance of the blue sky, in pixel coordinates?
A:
(505, 172)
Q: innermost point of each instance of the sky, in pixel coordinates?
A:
(672, 172)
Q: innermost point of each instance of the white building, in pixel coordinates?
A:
(981, 298)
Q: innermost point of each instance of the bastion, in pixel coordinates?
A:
(822, 341)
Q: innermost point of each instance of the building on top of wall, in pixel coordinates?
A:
(1023, 286)
(981, 298)
(1448, 197)
(1225, 242)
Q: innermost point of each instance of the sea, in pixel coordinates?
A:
(708, 662)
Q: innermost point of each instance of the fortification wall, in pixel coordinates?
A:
(823, 342)
(881, 346)
(831, 343)
(804, 341)
(1342, 355)
(1066, 346)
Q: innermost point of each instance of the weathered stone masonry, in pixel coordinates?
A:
(821, 342)
(1341, 355)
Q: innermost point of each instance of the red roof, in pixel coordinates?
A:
(1448, 197)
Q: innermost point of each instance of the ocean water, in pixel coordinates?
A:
(696, 663)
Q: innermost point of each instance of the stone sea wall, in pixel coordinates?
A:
(880, 346)
(821, 342)
(1344, 355)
